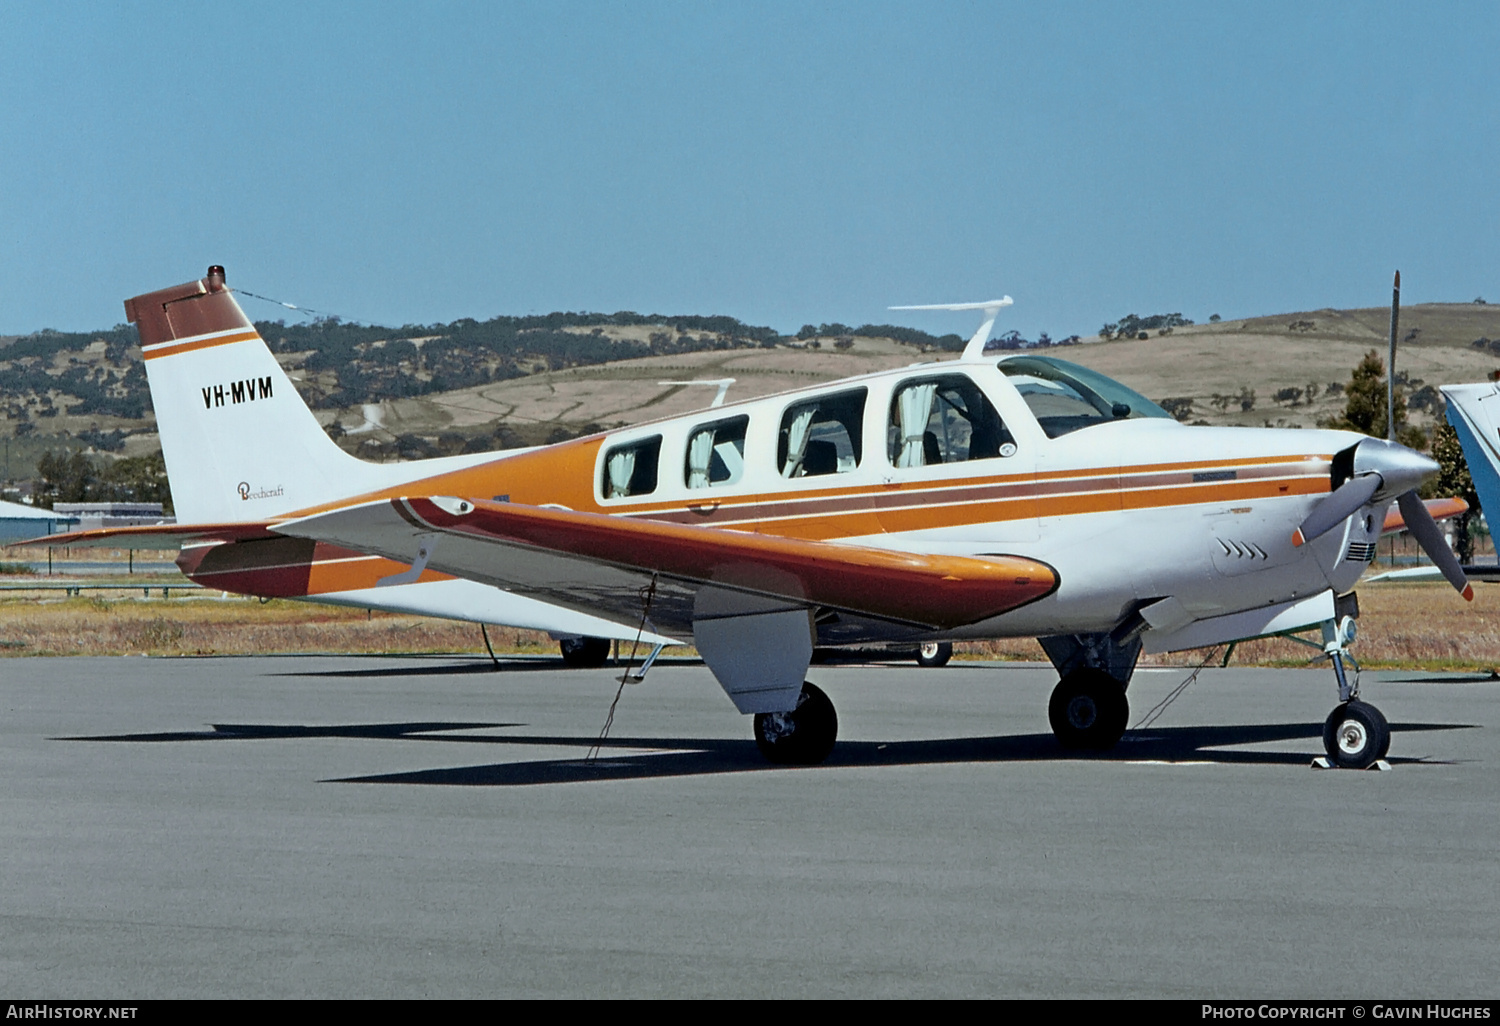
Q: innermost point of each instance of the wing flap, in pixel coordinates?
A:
(601, 562)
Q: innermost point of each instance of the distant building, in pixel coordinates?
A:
(18, 522)
(90, 516)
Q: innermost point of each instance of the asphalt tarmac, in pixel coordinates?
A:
(402, 827)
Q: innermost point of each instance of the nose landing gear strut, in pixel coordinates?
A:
(1355, 735)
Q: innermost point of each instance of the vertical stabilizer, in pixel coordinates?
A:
(239, 442)
(1474, 412)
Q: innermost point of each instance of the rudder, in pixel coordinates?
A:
(239, 442)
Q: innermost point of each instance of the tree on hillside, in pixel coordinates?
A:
(1135, 326)
(1364, 406)
(1365, 412)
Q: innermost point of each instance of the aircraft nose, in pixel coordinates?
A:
(1401, 469)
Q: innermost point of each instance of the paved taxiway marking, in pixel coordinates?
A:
(1163, 762)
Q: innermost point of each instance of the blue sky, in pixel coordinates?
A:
(779, 162)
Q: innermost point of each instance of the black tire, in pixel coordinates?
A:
(935, 653)
(584, 653)
(1088, 711)
(802, 737)
(1355, 735)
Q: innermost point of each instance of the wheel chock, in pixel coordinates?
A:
(1322, 763)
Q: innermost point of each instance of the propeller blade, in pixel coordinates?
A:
(1425, 529)
(1337, 507)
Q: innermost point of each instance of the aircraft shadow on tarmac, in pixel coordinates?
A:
(500, 665)
(639, 758)
(449, 669)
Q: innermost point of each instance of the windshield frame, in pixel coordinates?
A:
(1103, 394)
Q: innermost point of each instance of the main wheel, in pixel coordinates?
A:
(1356, 735)
(1088, 711)
(584, 653)
(802, 737)
(935, 653)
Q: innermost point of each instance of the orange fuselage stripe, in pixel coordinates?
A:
(159, 351)
(563, 475)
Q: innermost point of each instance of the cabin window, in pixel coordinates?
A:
(944, 419)
(1065, 397)
(716, 453)
(821, 436)
(630, 469)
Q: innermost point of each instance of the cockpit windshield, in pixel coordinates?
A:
(1065, 397)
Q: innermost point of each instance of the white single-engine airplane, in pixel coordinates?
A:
(976, 498)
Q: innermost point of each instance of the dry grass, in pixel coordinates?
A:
(1424, 626)
(1407, 626)
(210, 626)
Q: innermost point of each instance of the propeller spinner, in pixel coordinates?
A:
(1383, 470)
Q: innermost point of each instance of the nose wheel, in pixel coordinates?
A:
(1356, 735)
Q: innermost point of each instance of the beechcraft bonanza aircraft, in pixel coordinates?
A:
(977, 498)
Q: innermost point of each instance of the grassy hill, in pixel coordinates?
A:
(1309, 351)
(388, 393)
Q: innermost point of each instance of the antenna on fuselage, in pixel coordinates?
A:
(1390, 368)
(975, 348)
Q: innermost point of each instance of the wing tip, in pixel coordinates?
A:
(1297, 540)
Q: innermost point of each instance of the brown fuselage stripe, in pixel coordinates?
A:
(1111, 478)
(1014, 498)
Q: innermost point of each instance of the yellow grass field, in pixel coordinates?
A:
(119, 623)
(1407, 626)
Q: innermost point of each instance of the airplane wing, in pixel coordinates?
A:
(151, 536)
(1424, 574)
(1441, 509)
(675, 574)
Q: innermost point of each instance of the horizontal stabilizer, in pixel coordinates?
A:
(151, 536)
